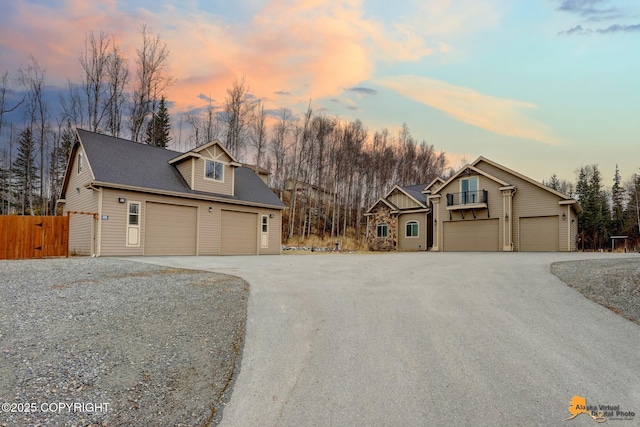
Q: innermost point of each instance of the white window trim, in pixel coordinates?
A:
(264, 235)
(80, 159)
(214, 162)
(386, 228)
(467, 178)
(129, 226)
(417, 226)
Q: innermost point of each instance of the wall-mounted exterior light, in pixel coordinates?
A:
(121, 200)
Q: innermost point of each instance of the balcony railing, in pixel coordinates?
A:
(467, 198)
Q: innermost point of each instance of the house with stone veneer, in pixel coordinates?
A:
(401, 220)
(126, 198)
(485, 206)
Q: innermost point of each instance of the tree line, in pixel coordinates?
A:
(327, 171)
(606, 213)
(110, 96)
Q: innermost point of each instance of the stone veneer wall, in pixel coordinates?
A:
(382, 214)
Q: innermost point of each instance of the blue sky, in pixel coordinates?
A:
(540, 86)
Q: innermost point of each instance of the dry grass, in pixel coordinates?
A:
(347, 243)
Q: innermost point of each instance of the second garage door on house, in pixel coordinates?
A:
(538, 234)
(170, 229)
(472, 235)
(239, 235)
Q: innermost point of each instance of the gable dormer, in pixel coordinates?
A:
(209, 168)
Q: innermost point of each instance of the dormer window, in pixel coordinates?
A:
(214, 170)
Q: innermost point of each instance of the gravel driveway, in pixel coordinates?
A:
(123, 343)
(438, 339)
(612, 283)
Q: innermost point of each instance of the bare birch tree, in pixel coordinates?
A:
(259, 132)
(36, 112)
(95, 63)
(150, 81)
(237, 114)
(117, 81)
(5, 91)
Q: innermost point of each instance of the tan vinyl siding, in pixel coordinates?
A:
(209, 185)
(185, 168)
(275, 233)
(81, 199)
(529, 200)
(209, 223)
(476, 235)
(114, 229)
(403, 201)
(418, 243)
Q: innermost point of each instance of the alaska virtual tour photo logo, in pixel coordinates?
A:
(599, 413)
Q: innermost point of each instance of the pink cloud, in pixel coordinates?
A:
(498, 115)
(308, 48)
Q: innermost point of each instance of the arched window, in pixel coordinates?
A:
(411, 229)
(382, 230)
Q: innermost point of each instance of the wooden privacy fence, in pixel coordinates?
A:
(33, 236)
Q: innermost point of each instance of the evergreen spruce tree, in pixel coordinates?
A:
(632, 212)
(617, 204)
(25, 173)
(159, 127)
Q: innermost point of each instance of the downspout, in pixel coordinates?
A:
(568, 228)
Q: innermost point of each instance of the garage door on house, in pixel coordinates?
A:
(539, 234)
(472, 235)
(239, 235)
(170, 229)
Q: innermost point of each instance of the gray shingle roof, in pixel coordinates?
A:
(122, 162)
(416, 192)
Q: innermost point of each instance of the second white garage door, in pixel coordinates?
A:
(473, 235)
(539, 234)
(170, 229)
(239, 234)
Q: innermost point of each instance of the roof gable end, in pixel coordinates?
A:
(469, 169)
(481, 159)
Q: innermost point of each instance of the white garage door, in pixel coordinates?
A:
(472, 235)
(239, 234)
(538, 234)
(170, 229)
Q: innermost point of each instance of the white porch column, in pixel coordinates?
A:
(507, 219)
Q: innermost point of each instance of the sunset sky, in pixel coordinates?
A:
(541, 86)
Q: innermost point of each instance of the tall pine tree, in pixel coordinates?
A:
(595, 221)
(617, 204)
(159, 127)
